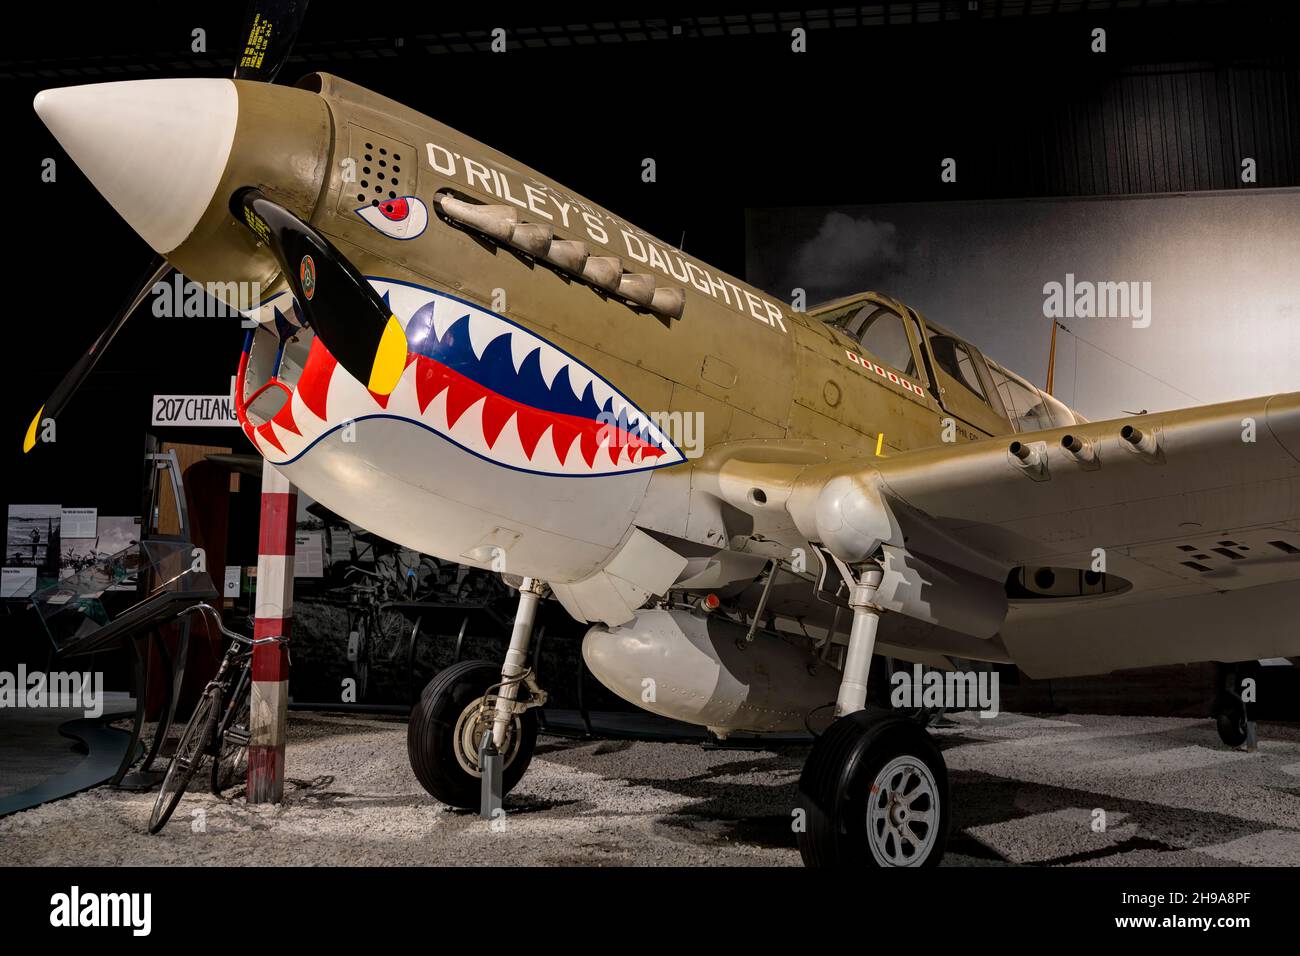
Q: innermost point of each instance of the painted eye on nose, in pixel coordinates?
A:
(395, 209)
(403, 217)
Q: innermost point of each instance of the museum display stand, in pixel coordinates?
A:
(123, 601)
(100, 609)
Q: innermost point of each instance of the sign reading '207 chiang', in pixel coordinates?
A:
(211, 411)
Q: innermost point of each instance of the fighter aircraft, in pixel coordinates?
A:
(744, 501)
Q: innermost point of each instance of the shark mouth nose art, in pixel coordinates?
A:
(483, 383)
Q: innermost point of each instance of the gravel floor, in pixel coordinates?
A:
(1027, 790)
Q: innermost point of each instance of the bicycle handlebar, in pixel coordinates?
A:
(215, 617)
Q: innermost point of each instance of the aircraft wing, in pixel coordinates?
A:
(1193, 516)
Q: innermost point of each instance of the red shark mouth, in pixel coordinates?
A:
(490, 386)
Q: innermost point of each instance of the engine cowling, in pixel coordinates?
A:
(691, 667)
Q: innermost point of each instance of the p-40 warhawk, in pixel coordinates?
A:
(464, 357)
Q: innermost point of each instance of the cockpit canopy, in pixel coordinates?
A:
(956, 372)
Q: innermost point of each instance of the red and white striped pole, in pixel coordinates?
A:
(272, 617)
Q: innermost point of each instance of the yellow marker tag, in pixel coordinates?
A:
(880, 441)
(390, 359)
(29, 442)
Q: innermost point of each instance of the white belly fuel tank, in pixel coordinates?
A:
(691, 667)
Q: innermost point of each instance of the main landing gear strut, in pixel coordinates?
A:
(874, 791)
(472, 734)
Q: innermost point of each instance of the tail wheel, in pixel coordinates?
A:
(445, 729)
(1231, 724)
(874, 793)
(1229, 710)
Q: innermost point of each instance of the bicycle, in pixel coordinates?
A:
(218, 728)
(376, 633)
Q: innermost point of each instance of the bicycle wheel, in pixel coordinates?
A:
(190, 751)
(230, 751)
(388, 630)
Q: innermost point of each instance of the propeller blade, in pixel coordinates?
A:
(353, 322)
(271, 26)
(57, 401)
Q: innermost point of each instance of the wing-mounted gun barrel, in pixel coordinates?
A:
(1031, 457)
(1080, 449)
(1146, 443)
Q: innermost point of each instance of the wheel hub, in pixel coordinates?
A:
(903, 813)
(897, 811)
(474, 722)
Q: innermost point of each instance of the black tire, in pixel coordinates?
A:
(1229, 710)
(194, 745)
(1231, 723)
(230, 753)
(835, 794)
(430, 736)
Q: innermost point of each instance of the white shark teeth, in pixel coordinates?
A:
(349, 400)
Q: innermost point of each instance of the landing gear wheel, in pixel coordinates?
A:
(874, 793)
(445, 729)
